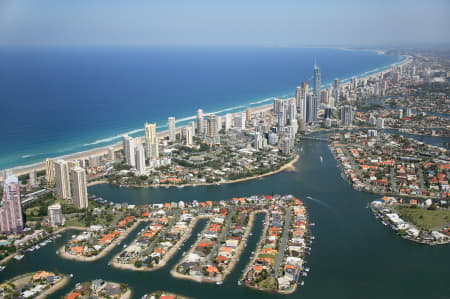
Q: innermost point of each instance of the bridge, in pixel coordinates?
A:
(314, 138)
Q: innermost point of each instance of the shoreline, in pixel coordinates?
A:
(63, 254)
(37, 166)
(288, 166)
(52, 289)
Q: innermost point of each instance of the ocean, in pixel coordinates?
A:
(58, 101)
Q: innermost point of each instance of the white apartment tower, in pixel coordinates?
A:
(62, 179)
(128, 149)
(55, 216)
(140, 159)
(172, 129)
(188, 132)
(79, 187)
(200, 128)
(228, 121)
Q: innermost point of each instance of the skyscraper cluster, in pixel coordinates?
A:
(71, 184)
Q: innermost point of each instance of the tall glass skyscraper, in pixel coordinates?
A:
(317, 80)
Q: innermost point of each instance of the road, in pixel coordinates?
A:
(223, 234)
(284, 241)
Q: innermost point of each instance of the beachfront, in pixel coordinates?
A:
(103, 150)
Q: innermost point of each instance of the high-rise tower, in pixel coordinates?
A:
(172, 129)
(11, 219)
(151, 141)
(200, 127)
(62, 179)
(79, 187)
(128, 149)
(317, 81)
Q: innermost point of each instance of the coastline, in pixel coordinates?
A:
(37, 166)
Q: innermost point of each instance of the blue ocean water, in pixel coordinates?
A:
(60, 101)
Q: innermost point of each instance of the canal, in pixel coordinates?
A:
(353, 254)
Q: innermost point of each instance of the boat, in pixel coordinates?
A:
(71, 275)
(124, 245)
(309, 197)
(313, 238)
(180, 186)
(239, 283)
(305, 273)
(2, 268)
(18, 257)
(219, 282)
(307, 269)
(312, 224)
(321, 159)
(302, 283)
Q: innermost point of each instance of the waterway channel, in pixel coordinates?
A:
(353, 254)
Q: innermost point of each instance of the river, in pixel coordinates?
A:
(353, 255)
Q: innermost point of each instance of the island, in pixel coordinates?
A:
(39, 284)
(99, 288)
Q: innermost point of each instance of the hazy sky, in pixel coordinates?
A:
(276, 23)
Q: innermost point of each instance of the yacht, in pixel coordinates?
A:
(18, 257)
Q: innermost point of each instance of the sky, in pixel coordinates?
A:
(264, 23)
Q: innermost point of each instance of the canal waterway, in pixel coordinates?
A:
(353, 254)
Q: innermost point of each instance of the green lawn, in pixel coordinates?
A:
(263, 255)
(424, 218)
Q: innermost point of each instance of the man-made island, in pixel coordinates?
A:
(39, 285)
(99, 289)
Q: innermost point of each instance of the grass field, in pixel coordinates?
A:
(425, 219)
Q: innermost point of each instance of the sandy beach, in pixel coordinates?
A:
(25, 169)
(105, 251)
